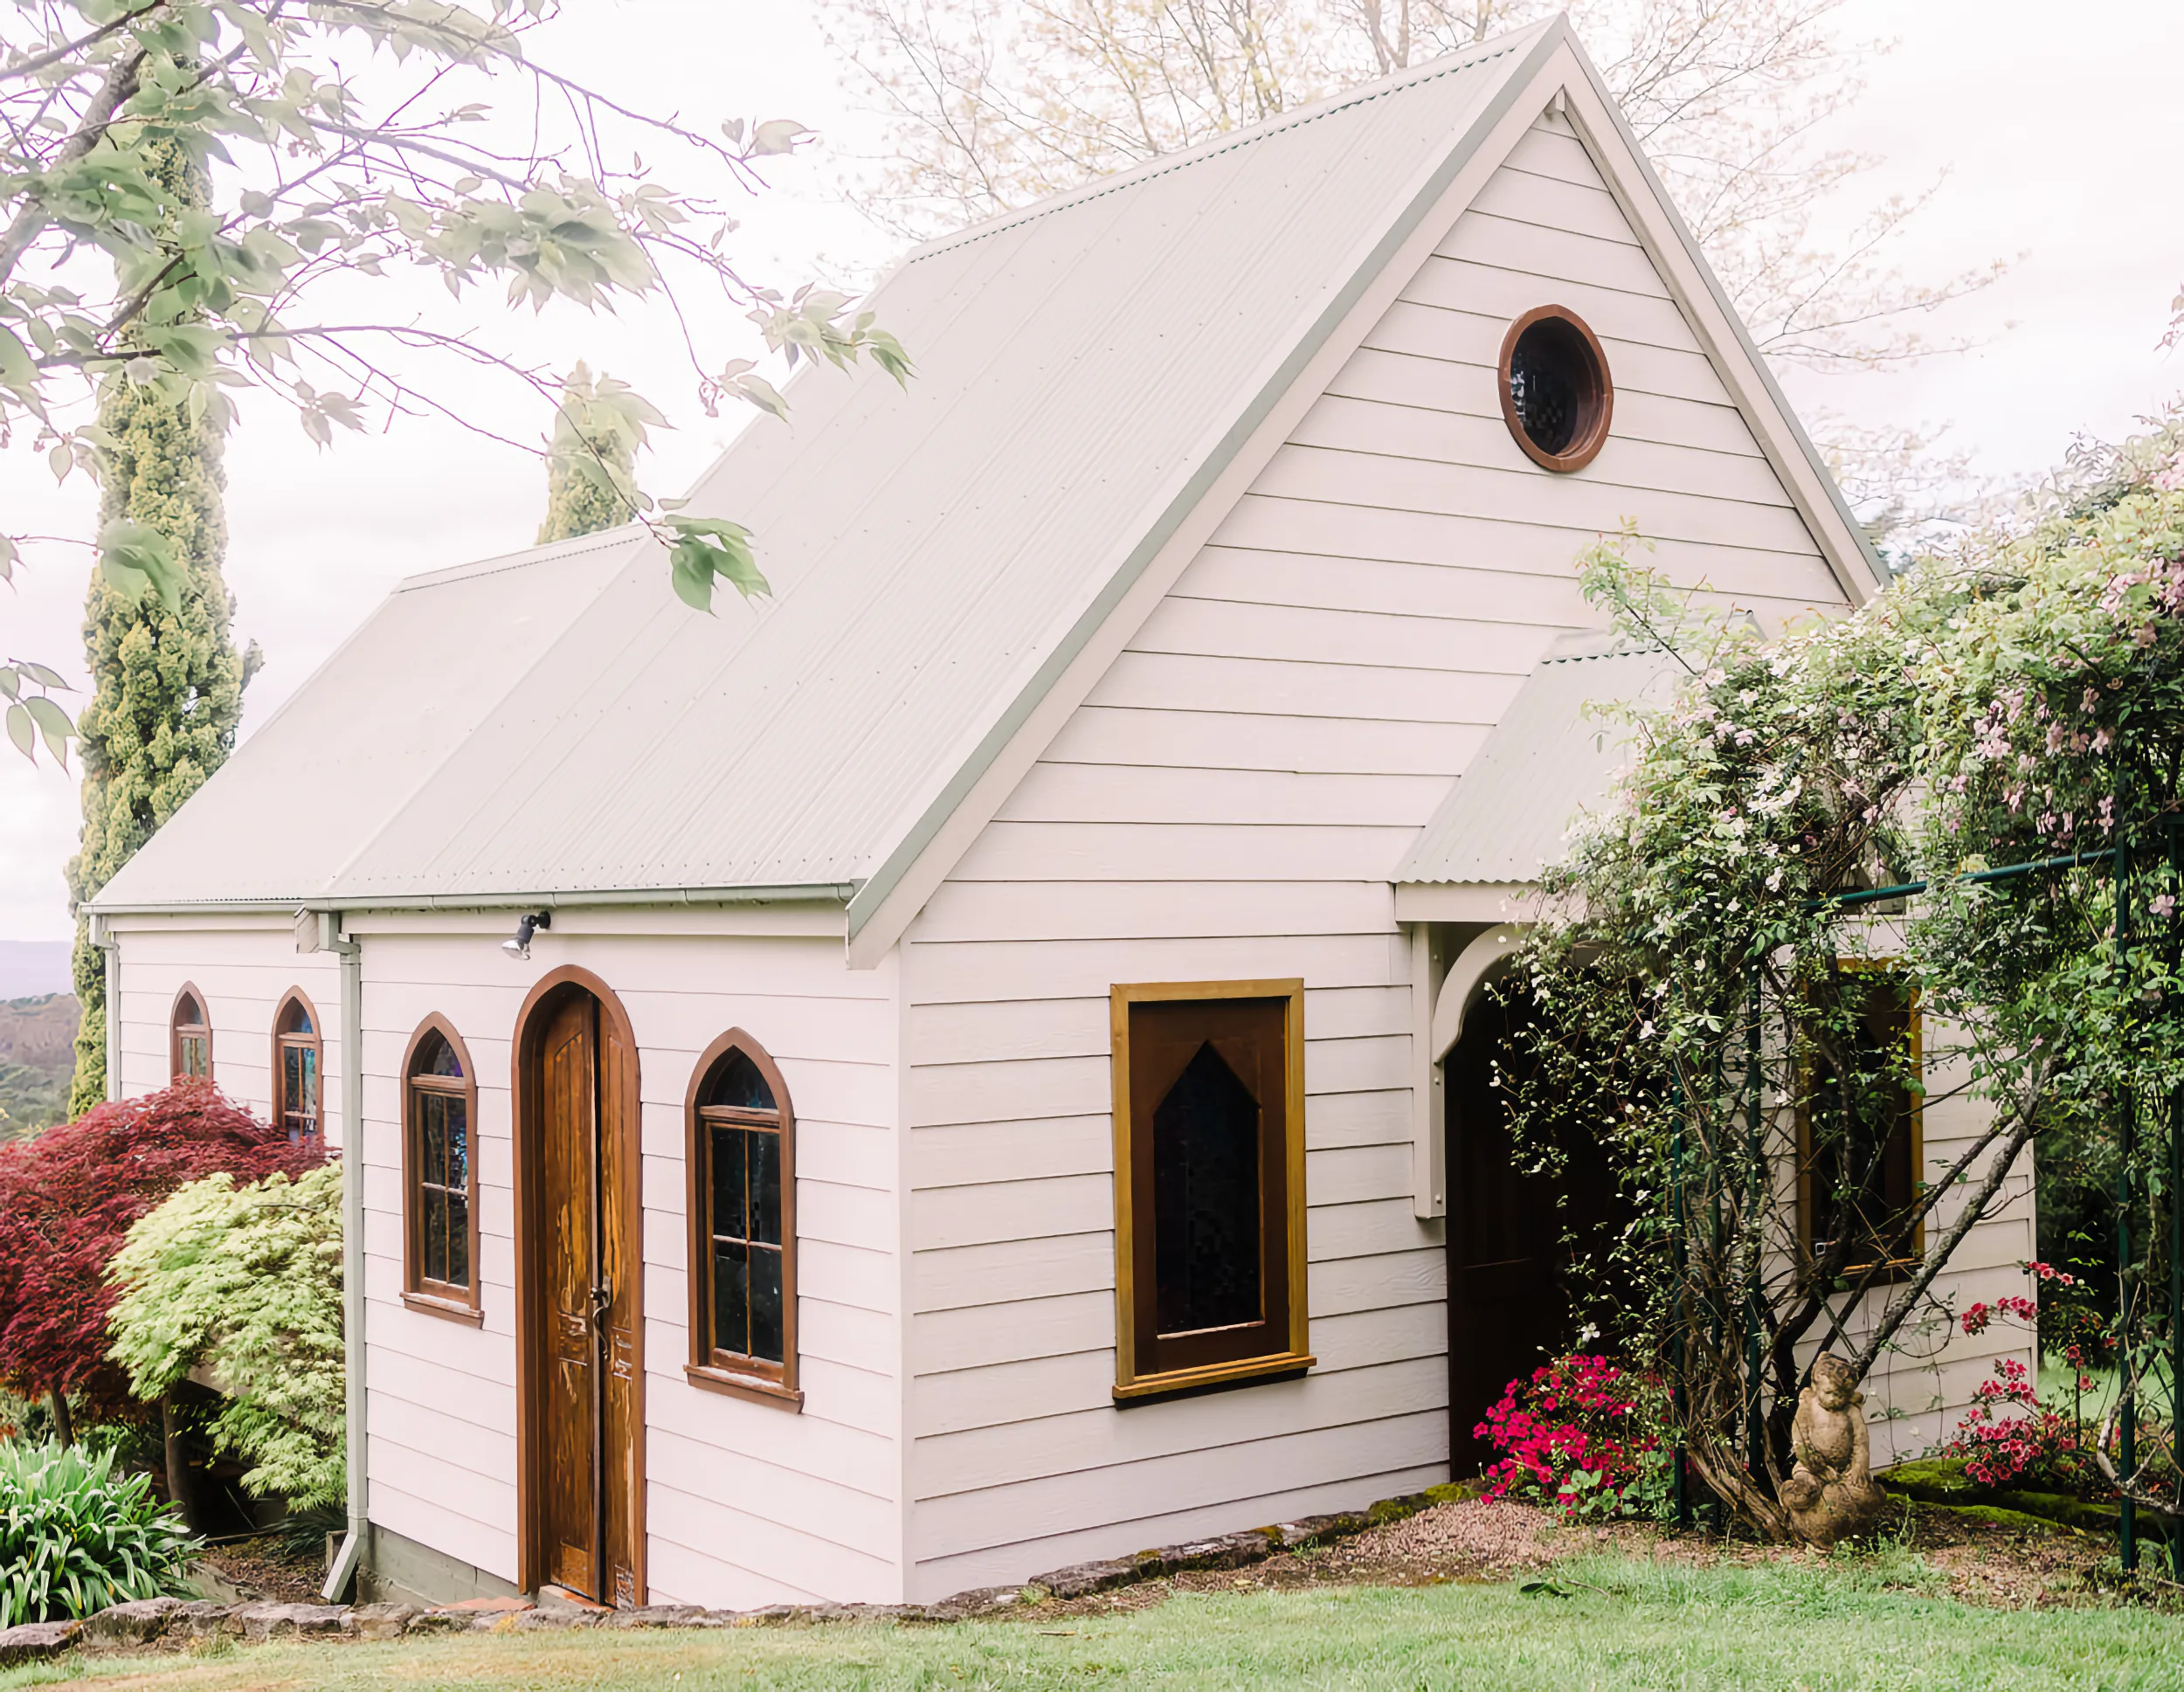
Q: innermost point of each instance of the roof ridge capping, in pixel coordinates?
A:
(1245, 135)
(546, 552)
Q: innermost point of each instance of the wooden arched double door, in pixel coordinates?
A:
(579, 1275)
(1514, 1237)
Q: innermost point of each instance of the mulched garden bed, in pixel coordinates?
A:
(259, 1569)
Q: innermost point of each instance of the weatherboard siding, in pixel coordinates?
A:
(1228, 803)
(243, 969)
(748, 1503)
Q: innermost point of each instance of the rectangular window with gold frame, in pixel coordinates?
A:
(1209, 1184)
(1861, 1139)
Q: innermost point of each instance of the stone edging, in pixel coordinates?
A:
(149, 1621)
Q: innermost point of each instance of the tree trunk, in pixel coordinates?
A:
(177, 1462)
(64, 1423)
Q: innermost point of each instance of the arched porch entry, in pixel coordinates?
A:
(1510, 1303)
(579, 1293)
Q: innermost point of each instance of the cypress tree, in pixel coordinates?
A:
(167, 685)
(593, 457)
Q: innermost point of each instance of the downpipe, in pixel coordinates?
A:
(329, 938)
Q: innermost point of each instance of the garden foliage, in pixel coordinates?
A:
(245, 1281)
(591, 469)
(75, 1536)
(167, 681)
(1708, 1005)
(68, 1199)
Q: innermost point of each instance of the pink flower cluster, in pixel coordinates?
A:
(1577, 1415)
(1977, 1318)
(2000, 1449)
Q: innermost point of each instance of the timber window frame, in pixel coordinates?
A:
(1912, 1128)
(189, 1024)
(1161, 1033)
(426, 1093)
(1553, 343)
(299, 1052)
(715, 1368)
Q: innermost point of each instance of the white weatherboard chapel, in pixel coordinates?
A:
(1013, 961)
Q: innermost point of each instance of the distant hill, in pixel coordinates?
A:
(30, 967)
(38, 1054)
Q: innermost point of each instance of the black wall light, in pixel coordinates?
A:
(531, 923)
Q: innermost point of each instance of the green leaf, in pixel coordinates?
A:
(23, 731)
(17, 370)
(133, 556)
(52, 723)
(776, 135)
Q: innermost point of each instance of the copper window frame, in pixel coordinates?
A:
(178, 1030)
(1895, 1268)
(438, 1298)
(1139, 1373)
(282, 1042)
(1586, 447)
(726, 1372)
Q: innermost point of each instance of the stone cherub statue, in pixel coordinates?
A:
(1831, 1493)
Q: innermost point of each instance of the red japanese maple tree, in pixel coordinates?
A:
(67, 1199)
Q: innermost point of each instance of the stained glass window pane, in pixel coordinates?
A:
(194, 1061)
(765, 1187)
(737, 1084)
(729, 1214)
(731, 1298)
(434, 1254)
(456, 1114)
(437, 1057)
(1206, 1199)
(296, 1019)
(188, 1011)
(765, 1305)
(458, 1241)
(431, 1123)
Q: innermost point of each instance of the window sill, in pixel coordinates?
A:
(757, 1388)
(1242, 1372)
(445, 1308)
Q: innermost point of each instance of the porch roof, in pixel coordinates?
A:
(1551, 761)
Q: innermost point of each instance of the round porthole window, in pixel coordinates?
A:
(1556, 396)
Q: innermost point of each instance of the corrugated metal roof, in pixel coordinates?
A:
(282, 817)
(1551, 761)
(932, 552)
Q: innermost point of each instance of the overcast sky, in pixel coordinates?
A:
(2059, 145)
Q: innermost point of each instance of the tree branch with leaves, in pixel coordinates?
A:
(349, 139)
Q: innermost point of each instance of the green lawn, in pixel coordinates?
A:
(1864, 1626)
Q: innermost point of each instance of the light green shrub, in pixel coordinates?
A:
(245, 1281)
(75, 1536)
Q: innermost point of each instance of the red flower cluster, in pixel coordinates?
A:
(1576, 1434)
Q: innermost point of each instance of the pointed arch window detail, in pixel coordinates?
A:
(741, 1197)
(189, 1036)
(440, 1166)
(298, 1092)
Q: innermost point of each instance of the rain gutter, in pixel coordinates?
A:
(836, 892)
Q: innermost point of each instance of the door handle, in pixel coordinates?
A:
(602, 1300)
